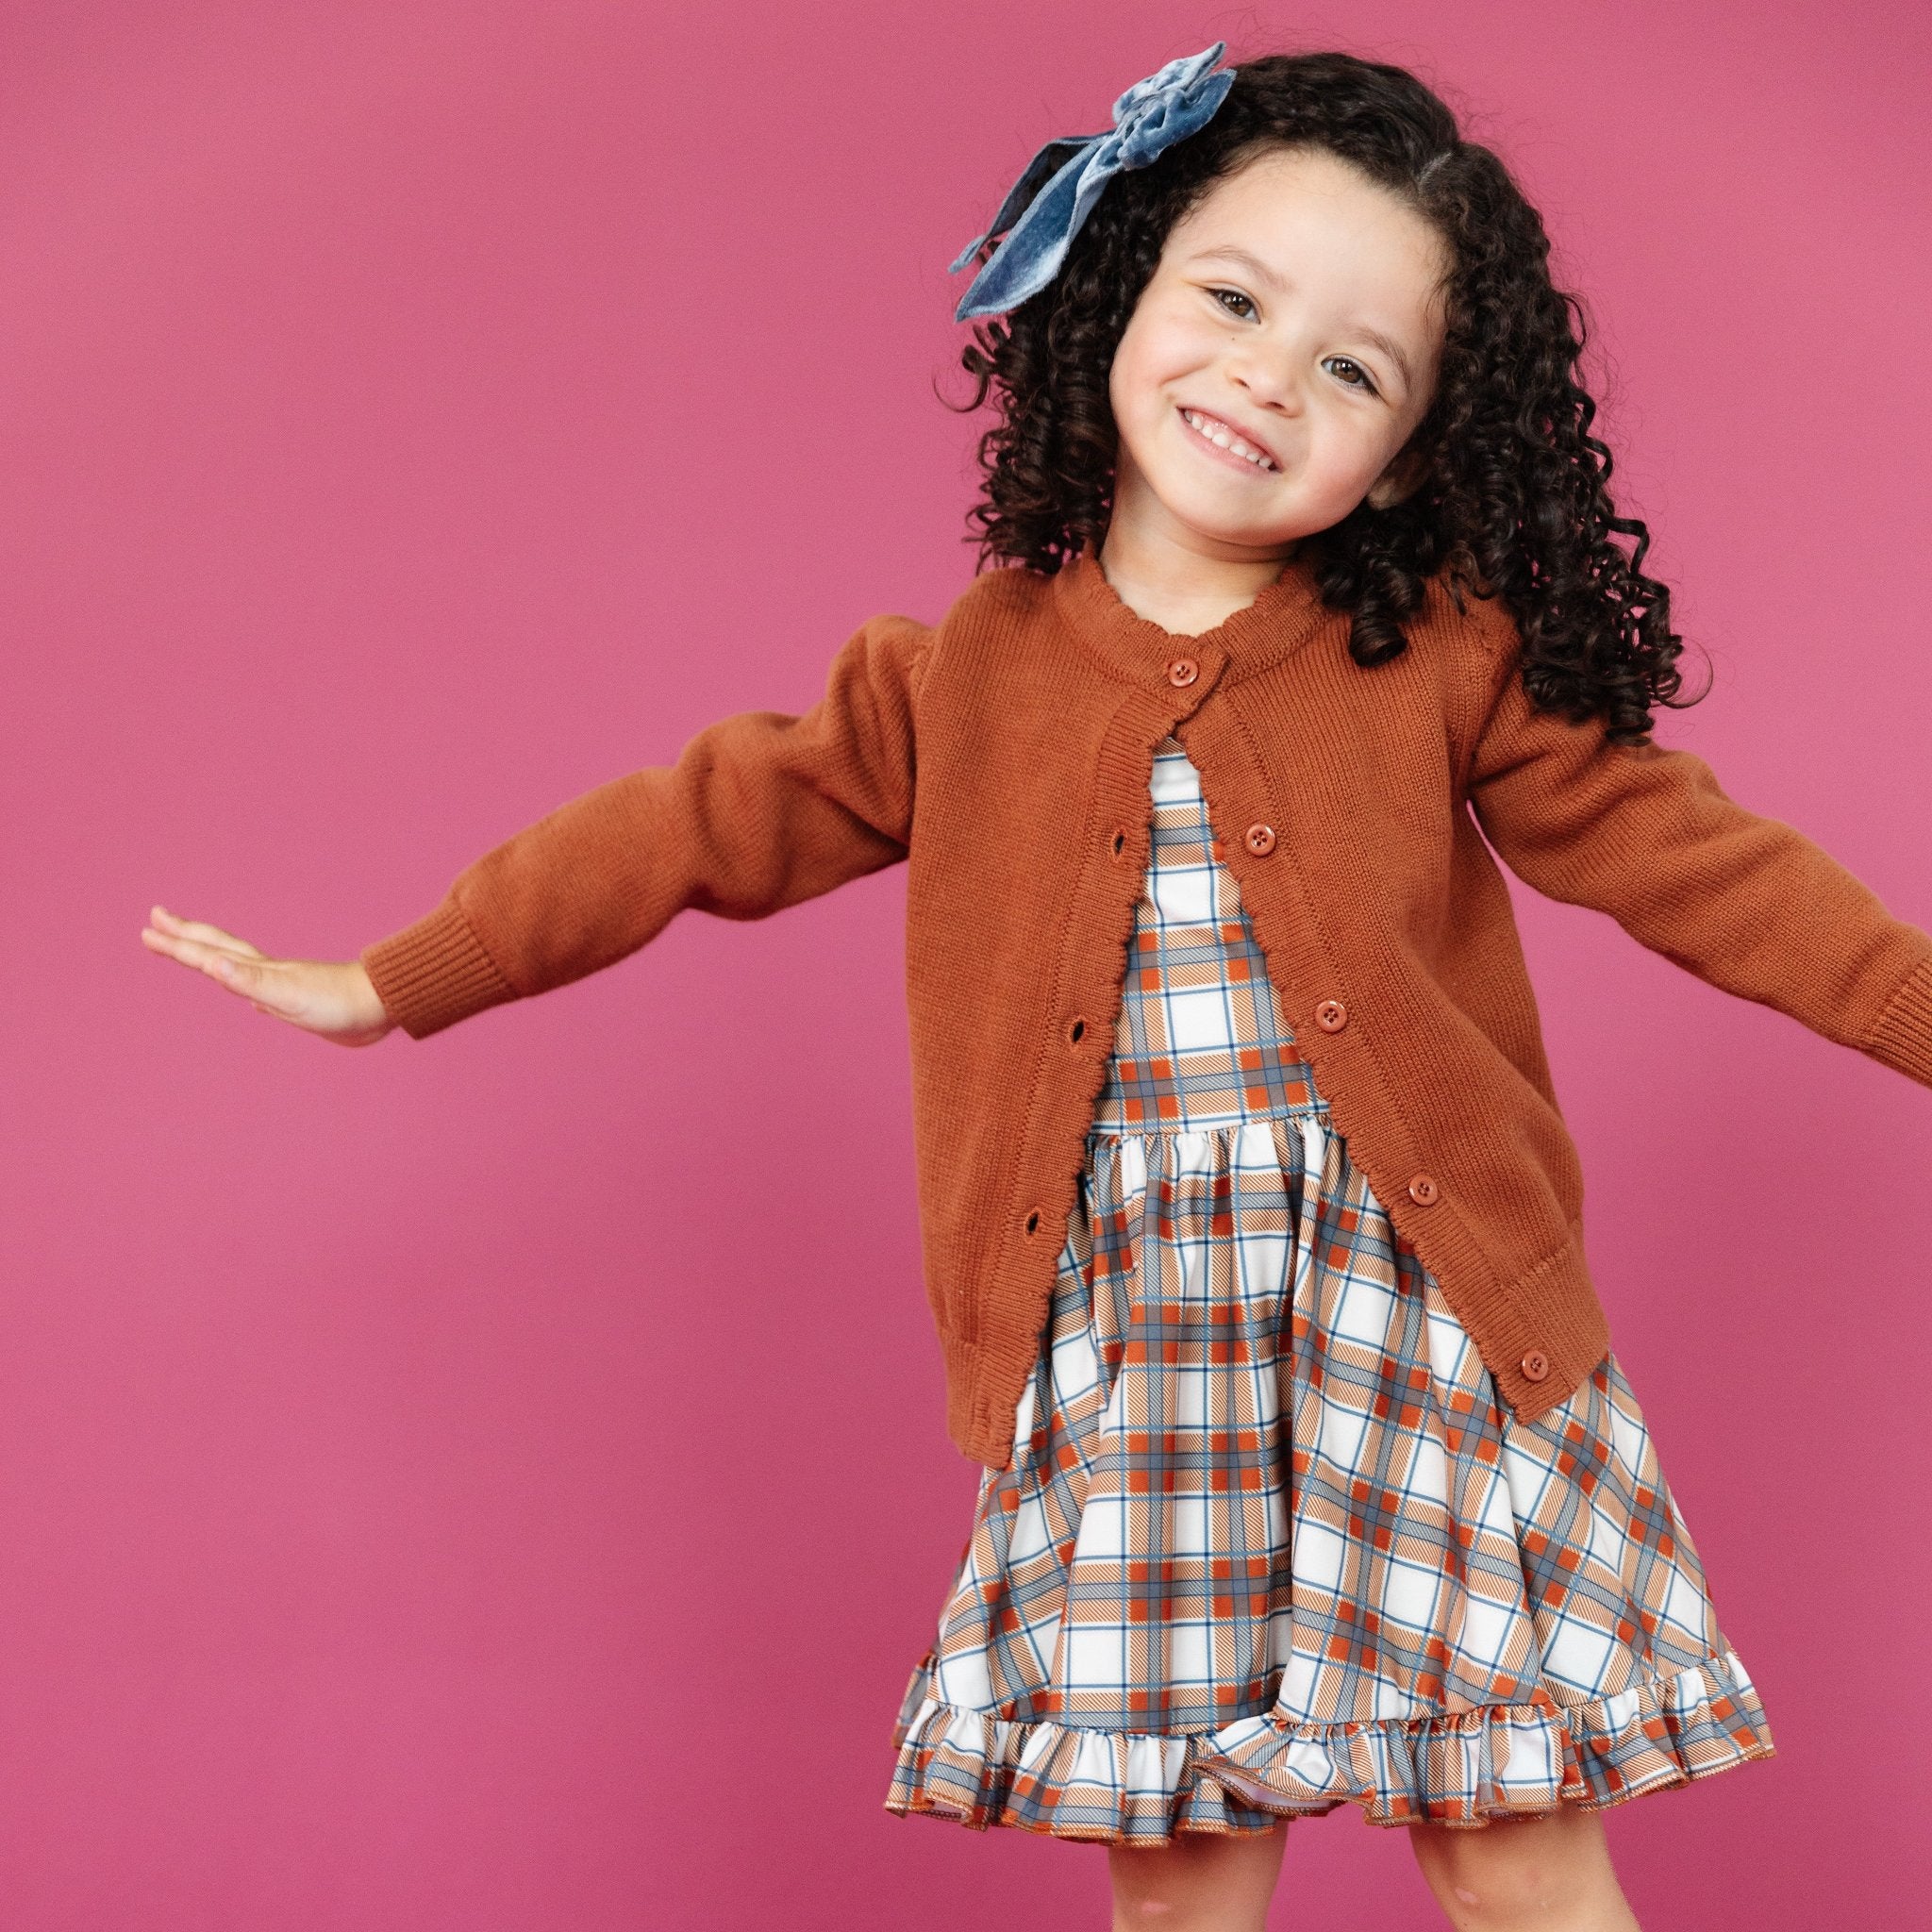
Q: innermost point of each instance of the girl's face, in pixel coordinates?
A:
(1299, 308)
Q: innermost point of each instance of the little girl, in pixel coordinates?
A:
(1251, 1226)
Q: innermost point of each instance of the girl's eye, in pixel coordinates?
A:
(1365, 385)
(1218, 293)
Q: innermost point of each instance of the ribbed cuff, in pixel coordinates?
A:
(1903, 1037)
(435, 973)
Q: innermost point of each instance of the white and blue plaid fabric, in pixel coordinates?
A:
(1270, 1543)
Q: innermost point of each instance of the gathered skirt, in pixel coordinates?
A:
(1270, 1542)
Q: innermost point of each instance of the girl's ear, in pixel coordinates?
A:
(1403, 476)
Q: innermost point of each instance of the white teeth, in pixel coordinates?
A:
(1222, 437)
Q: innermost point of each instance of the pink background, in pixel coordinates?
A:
(501, 1481)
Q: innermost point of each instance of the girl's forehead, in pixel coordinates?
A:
(1303, 216)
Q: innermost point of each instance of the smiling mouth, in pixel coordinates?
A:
(1227, 442)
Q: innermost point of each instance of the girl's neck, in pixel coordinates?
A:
(1177, 587)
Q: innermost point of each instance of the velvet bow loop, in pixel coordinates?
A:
(1178, 100)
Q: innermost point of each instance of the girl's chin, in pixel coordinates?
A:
(1211, 517)
(1238, 542)
(1209, 513)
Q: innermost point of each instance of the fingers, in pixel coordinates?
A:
(200, 929)
(229, 962)
(214, 959)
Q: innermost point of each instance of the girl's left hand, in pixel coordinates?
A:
(337, 1000)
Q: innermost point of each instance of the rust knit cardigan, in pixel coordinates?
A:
(1005, 754)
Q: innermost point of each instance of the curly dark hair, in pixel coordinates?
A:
(1514, 497)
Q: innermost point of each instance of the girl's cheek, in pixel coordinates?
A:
(1351, 462)
(1193, 340)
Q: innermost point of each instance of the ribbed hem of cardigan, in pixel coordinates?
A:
(1903, 1037)
(1553, 1311)
(435, 973)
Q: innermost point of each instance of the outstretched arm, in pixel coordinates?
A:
(760, 810)
(1746, 903)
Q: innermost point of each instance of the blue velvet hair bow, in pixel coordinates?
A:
(1152, 115)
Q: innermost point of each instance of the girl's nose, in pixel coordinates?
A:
(1268, 380)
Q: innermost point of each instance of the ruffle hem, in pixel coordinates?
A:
(1463, 1768)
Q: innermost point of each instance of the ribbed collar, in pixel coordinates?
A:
(1281, 619)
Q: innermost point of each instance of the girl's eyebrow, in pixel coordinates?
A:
(1259, 269)
(1253, 263)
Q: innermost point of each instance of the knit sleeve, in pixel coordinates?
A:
(1746, 903)
(760, 810)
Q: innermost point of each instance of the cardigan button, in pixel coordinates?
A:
(1331, 1016)
(1536, 1366)
(1422, 1188)
(1260, 839)
(1183, 671)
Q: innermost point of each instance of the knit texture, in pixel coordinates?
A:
(1005, 754)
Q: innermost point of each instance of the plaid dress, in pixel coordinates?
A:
(1270, 1543)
